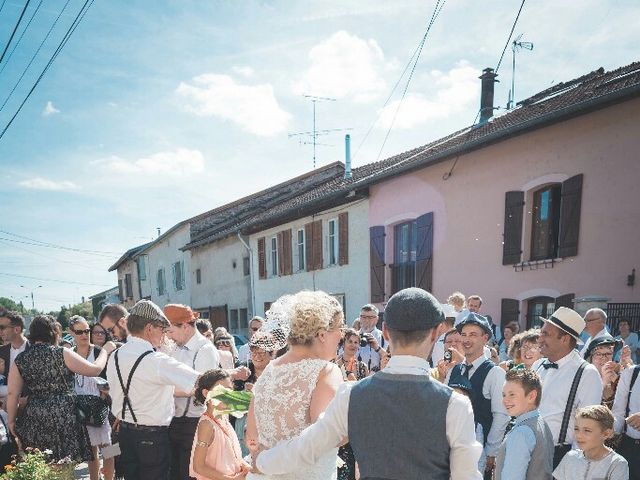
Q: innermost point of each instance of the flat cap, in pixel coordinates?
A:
(475, 319)
(413, 309)
(149, 310)
(178, 314)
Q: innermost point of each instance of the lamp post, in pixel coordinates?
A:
(33, 303)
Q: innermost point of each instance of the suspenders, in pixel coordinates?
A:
(126, 402)
(186, 410)
(634, 377)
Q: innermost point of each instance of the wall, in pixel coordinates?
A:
(125, 268)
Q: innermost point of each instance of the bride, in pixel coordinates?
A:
(296, 388)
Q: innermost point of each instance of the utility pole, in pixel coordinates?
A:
(33, 303)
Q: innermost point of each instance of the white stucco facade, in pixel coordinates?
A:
(350, 282)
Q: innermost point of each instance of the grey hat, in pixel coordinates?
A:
(413, 309)
(149, 310)
(475, 319)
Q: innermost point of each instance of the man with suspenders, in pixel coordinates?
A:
(196, 351)
(143, 383)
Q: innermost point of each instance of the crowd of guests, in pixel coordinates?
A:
(128, 393)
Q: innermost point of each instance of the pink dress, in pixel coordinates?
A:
(224, 454)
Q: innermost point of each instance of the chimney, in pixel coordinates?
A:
(347, 156)
(486, 96)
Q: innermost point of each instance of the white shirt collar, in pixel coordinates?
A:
(407, 364)
(133, 339)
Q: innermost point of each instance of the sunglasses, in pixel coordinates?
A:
(86, 331)
(223, 343)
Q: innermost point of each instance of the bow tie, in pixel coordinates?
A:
(549, 365)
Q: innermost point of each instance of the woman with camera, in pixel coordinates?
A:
(352, 368)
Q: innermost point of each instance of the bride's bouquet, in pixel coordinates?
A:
(229, 402)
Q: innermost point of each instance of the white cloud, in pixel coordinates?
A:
(49, 109)
(345, 65)
(252, 107)
(40, 183)
(182, 162)
(453, 92)
(245, 71)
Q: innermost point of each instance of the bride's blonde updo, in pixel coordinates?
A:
(310, 313)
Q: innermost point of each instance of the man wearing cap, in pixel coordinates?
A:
(558, 371)
(435, 440)
(143, 383)
(487, 380)
(595, 324)
(197, 352)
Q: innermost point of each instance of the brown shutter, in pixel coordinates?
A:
(510, 311)
(377, 265)
(262, 259)
(570, 205)
(280, 250)
(316, 245)
(308, 252)
(424, 252)
(565, 300)
(343, 238)
(512, 237)
(285, 252)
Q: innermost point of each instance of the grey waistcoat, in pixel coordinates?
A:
(541, 463)
(397, 427)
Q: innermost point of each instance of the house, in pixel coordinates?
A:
(129, 288)
(101, 299)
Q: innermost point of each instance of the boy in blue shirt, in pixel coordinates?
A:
(526, 452)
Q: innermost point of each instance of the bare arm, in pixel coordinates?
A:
(251, 431)
(328, 382)
(16, 383)
(77, 364)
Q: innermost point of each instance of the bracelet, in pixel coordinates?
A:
(202, 444)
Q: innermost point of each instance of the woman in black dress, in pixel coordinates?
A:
(46, 371)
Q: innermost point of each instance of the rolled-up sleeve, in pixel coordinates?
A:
(172, 372)
(465, 449)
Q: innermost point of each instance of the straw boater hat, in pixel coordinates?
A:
(567, 320)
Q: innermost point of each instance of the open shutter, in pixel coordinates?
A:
(424, 252)
(565, 300)
(285, 264)
(316, 245)
(308, 240)
(570, 205)
(377, 265)
(510, 311)
(280, 251)
(512, 237)
(262, 259)
(120, 290)
(343, 238)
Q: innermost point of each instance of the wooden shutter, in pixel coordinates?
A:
(120, 290)
(570, 205)
(262, 259)
(128, 287)
(510, 311)
(565, 300)
(280, 251)
(512, 237)
(313, 244)
(424, 252)
(285, 263)
(343, 238)
(288, 248)
(376, 263)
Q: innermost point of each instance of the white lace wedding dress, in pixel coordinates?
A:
(281, 408)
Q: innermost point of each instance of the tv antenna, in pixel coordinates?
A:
(516, 45)
(315, 133)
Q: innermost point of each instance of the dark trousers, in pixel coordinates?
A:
(146, 453)
(629, 448)
(181, 433)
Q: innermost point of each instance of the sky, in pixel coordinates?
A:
(156, 111)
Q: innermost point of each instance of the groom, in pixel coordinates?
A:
(404, 425)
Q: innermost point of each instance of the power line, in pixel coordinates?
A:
(513, 27)
(2, 6)
(83, 11)
(53, 280)
(31, 252)
(20, 38)
(53, 245)
(15, 29)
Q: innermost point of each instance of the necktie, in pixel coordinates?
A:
(467, 369)
(549, 365)
(510, 425)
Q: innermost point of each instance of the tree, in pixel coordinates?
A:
(83, 309)
(9, 304)
(63, 317)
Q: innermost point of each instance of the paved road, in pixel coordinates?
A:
(82, 472)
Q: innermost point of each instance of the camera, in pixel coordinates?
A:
(364, 340)
(447, 356)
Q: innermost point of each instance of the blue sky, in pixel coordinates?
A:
(156, 111)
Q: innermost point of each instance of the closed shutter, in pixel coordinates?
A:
(262, 259)
(120, 290)
(570, 206)
(512, 237)
(565, 300)
(510, 311)
(424, 252)
(128, 285)
(343, 238)
(313, 238)
(376, 263)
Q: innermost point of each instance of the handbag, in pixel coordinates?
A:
(91, 410)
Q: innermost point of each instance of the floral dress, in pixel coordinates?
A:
(49, 419)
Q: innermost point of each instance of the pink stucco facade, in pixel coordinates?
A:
(469, 211)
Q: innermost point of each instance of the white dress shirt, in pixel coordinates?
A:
(13, 352)
(601, 333)
(331, 428)
(244, 353)
(367, 354)
(492, 390)
(437, 353)
(556, 384)
(200, 349)
(620, 403)
(153, 383)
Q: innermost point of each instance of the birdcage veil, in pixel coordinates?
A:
(274, 333)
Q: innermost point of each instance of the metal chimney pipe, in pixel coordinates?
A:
(486, 96)
(347, 156)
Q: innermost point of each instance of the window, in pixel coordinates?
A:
(404, 267)
(142, 267)
(198, 276)
(274, 256)
(233, 320)
(300, 249)
(545, 222)
(539, 307)
(178, 275)
(161, 282)
(128, 286)
(244, 320)
(246, 266)
(333, 242)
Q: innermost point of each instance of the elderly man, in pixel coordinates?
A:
(143, 382)
(568, 382)
(113, 319)
(370, 353)
(595, 321)
(244, 354)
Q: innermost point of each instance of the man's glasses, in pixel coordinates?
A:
(86, 331)
(369, 317)
(603, 355)
(4, 327)
(255, 329)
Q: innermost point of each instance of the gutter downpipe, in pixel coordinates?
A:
(252, 291)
